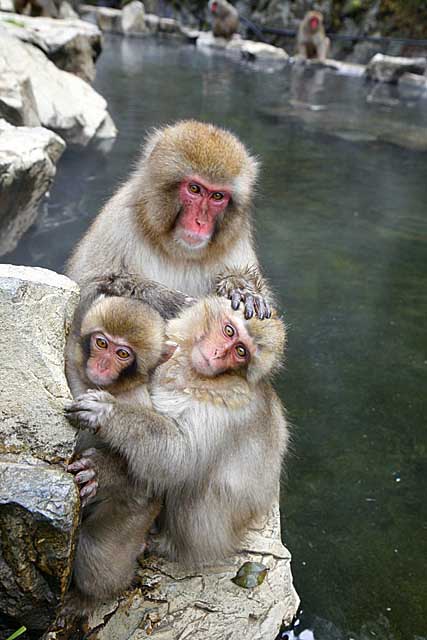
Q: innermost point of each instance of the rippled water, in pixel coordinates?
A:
(342, 235)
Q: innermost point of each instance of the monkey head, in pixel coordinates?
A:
(193, 188)
(213, 6)
(219, 340)
(315, 20)
(121, 342)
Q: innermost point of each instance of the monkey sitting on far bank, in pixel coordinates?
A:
(311, 39)
(225, 18)
(211, 445)
(120, 342)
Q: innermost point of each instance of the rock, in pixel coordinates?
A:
(66, 11)
(152, 22)
(38, 518)
(259, 50)
(28, 158)
(73, 45)
(390, 68)
(36, 307)
(172, 603)
(109, 20)
(133, 18)
(39, 502)
(414, 80)
(17, 102)
(169, 25)
(63, 102)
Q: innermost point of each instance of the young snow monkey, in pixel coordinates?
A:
(119, 343)
(210, 447)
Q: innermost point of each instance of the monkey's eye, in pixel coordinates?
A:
(229, 330)
(123, 354)
(241, 351)
(194, 188)
(101, 343)
(217, 196)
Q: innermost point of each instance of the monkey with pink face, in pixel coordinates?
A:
(209, 443)
(312, 41)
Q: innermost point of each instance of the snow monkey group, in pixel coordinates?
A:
(170, 363)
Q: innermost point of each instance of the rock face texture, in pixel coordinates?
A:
(28, 158)
(73, 45)
(391, 68)
(62, 101)
(38, 500)
(174, 604)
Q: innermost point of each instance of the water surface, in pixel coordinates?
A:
(342, 235)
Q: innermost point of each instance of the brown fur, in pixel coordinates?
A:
(211, 448)
(134, 230)
(106, 556)
(312, 44)
(225, 19)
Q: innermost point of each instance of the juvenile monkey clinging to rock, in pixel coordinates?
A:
(311, 39)
(182, 219)
(225, 18)
(211, 446)
(120, 342)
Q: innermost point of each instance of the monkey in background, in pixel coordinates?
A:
(120, 342)
(211, 445)
(182, 219)
(225, 19)
(311, 39)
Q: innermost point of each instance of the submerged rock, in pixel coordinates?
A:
(62, 101)
(390, 68)
(73, 45)
(39, 502)
(28, 158)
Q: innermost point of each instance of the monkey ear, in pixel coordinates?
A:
(168, 350)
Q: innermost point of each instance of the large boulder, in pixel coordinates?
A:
(39, 503)
(73, 45)
(63, 102)
(28, 158)
(390, 68)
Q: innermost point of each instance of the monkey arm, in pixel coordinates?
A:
(155, 447)
(167, 302)
(247, 285)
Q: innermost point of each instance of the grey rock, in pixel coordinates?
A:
(173, 604)
(36, 308)
(73, 45)
(17, 102)
(133, 18)
(109, 20)
(39, 503)
(246, 49)
(63, 102)
(390, 68)
(38, 516)
(28, 158)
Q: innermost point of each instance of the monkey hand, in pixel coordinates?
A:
(84, 471)
(245, 287)
(91, 410)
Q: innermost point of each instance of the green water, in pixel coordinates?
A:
(342, 235)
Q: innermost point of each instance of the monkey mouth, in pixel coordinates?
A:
(191, 240)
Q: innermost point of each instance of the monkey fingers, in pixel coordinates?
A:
(90, 410)
(88, 491)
